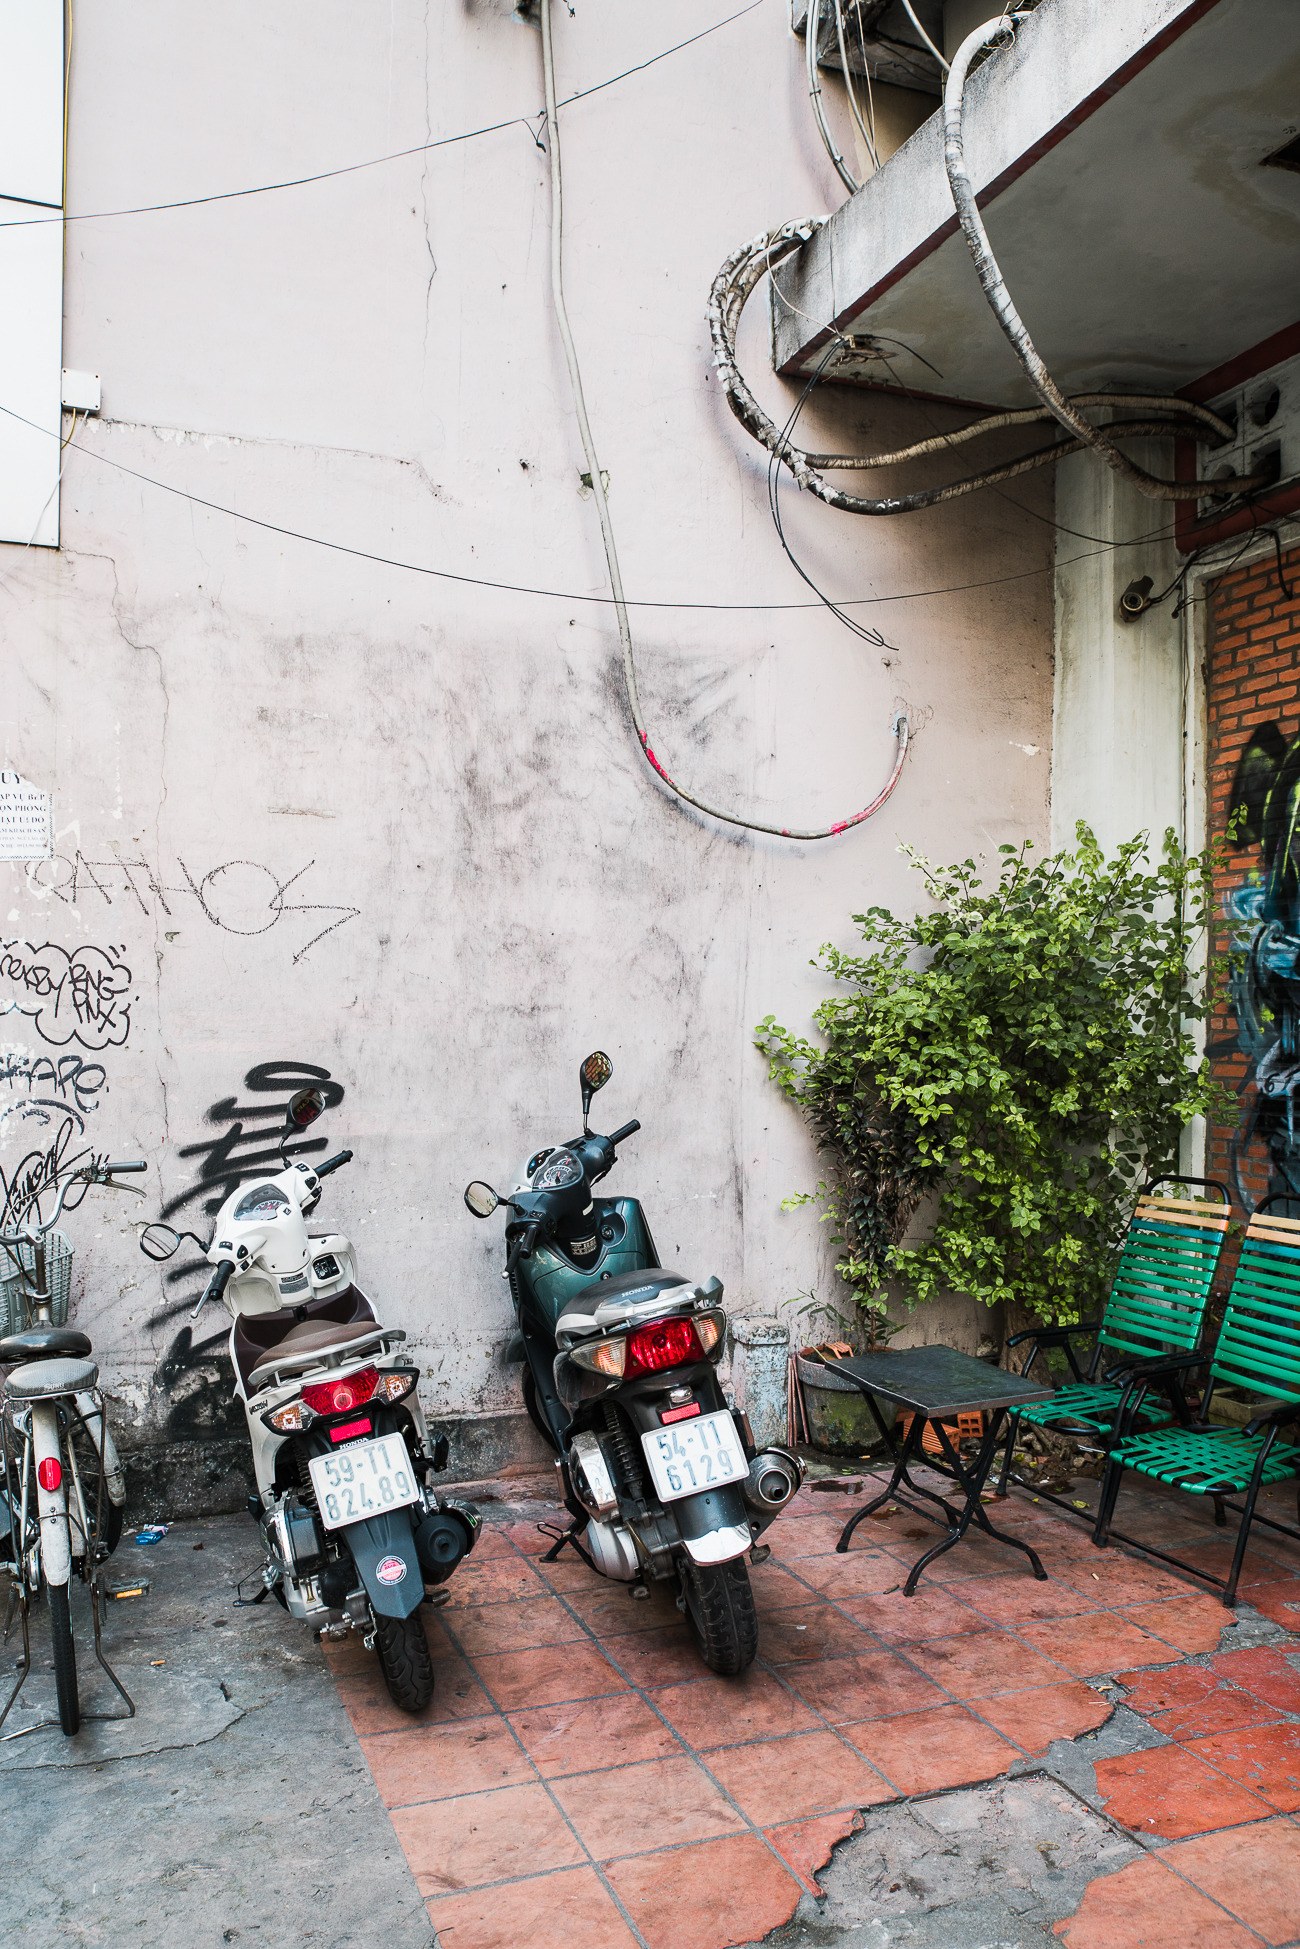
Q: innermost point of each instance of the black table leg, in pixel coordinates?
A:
(972, 1480)
(911, 1447)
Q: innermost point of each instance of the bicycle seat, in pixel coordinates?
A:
(43, 1377)
(43, 1343)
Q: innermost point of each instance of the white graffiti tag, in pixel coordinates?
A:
(79, 997)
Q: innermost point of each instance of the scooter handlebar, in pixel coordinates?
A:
(215, 1286)
(333, 1163)
(523, 1242)
(628, 1130)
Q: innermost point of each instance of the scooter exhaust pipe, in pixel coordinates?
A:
(775, 1476)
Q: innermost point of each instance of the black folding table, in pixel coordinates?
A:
(934, 1383)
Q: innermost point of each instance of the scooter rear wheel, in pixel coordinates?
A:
(404, 1659)
(535, 1415)
(65, 1658)
(720, 1611)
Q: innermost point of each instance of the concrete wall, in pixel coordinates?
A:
(1118, 751)
(318, 813)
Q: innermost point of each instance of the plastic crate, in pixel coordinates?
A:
(16, 1305)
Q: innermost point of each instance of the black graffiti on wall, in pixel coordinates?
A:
(27, 1181)
(80, 997)
(237, 1154)
(241, 896)
(242, 1152)
(74, 1087)
(197, 1382)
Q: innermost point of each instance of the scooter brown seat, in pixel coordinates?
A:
(308, 1338)
(258, 1336)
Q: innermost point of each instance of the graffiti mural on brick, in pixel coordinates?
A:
(1253, 697)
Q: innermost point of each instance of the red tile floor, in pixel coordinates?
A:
(582, 1782)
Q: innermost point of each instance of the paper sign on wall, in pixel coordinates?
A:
(26, 819)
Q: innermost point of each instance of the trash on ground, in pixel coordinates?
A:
(152, 1533)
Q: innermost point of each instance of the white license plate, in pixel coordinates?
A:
(363, 1479)
(703, 1453)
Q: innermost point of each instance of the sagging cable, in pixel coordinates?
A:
(1001, 34)
(732, 287)
(900, 723)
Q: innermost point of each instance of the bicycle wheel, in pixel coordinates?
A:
(110, 1513)
(65, 1658)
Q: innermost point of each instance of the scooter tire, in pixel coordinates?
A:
(404, 1660)
(720, 1611)
(65, 1658)
(112, 1516)
(535, 1415)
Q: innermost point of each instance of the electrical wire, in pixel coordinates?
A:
(1277, 543)
(812, 31)
(1000, 300)
(374, 162)
(872, 637)
(732, 287)
(868, 139)
(900, 724)
(63, 447)
(909, 10)
(571, 596)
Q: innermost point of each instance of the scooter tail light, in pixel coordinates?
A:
(289, 1419)
(708, 1327)
(395, 1387)
(660, 1344)
(49, 1473)
(606, 1358)
(336, 1397)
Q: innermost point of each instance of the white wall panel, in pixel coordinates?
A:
(31, 100)
(31, 364)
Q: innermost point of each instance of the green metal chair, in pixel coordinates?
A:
(1258, 1349)
(1156, 1308)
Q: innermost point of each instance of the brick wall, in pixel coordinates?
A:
(1252, 680)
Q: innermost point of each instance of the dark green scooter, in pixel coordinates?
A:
(619, 1358)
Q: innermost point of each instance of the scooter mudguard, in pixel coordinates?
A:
(383, 1549)
(713, 1525)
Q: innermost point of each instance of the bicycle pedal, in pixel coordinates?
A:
(118, 1593)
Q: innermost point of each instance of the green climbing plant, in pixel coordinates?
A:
(1021, 1054)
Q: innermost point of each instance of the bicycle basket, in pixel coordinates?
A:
(18, 1282)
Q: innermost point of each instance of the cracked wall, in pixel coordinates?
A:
(394, 827)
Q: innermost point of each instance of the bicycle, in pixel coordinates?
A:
(53, 1434)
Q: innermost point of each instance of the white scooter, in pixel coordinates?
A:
(355, 1537)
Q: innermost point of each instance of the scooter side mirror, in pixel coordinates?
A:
(481, 1199)
(304, 1108)
(158, 1242)
(593, 1074)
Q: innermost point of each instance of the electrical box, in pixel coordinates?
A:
(81, 392)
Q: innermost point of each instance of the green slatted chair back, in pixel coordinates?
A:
(1158, 1298)
(1259, 1341)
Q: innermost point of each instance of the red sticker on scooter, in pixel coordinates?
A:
(390, 1570)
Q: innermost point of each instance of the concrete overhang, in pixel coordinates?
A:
(1120, 155)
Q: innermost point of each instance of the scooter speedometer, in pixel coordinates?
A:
(561, 1171)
